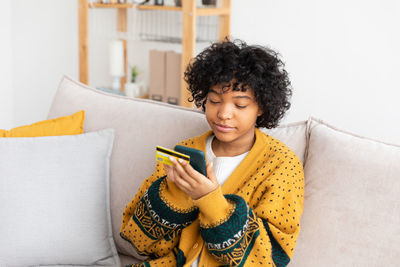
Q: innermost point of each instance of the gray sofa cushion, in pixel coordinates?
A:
(128, 260)
(352, 205)
(294, 135)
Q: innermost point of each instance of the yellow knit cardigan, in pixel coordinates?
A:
(252, 220)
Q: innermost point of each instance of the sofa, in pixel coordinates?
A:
(352, 183)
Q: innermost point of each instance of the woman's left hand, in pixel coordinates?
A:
(191, 181)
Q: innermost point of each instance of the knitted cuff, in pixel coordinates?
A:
(236, 236)
(214, 208)
(174, 197)
(156, 218)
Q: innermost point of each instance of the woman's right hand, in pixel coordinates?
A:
(190, 181)
(170, 172)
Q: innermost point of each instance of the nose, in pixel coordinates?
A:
(225, 112)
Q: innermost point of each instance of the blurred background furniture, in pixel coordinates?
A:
(189, 12)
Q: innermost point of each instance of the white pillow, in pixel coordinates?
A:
(54, 201)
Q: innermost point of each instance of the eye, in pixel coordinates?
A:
(240, 107)
(213, 102)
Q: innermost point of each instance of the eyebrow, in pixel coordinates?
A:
(239, 96)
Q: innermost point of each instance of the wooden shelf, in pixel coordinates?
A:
(146, 96)
(200, 11)
(207, 11)
(98, 5)
(165, 8)
(189, 14)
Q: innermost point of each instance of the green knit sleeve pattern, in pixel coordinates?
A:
(231, 242)
(156, 219)
(279, 256)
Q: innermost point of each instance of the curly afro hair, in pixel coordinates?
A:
(255, 67)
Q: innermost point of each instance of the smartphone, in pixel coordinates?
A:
(197, 158)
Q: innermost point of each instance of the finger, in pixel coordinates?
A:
(182, 183)
(189, 169)
(196, 176)
(182, 172)
(165, 167)
(210, 172)
(170, 173)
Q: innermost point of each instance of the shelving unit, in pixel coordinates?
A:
(189, 14)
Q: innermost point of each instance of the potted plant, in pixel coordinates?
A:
(132, 88)
(134, 74)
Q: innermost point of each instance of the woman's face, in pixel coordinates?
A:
(232, 115)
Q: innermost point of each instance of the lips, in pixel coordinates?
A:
(223, 128)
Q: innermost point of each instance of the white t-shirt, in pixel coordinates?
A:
(223, 168)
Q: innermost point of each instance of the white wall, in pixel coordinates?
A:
(45, 46)
(343, 57)
(6, 51)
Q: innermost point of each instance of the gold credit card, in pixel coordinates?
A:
(163, 154)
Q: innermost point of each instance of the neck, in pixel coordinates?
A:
(233, 148)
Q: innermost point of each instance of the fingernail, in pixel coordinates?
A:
(180, 160)
(211, 164)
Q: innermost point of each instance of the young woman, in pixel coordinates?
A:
(247, 211)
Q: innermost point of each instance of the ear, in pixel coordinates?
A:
(260, 112)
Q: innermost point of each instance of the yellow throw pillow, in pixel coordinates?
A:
(68, 125)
